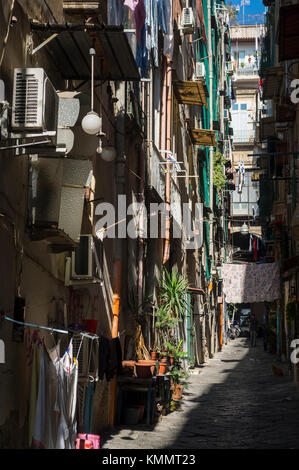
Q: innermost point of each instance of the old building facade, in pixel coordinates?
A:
(68, 257)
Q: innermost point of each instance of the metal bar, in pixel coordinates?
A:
(65, 332)
(25, 145)
(36, 326)
(44, 43)
(273, 153)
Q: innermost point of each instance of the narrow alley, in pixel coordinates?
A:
(235, 401)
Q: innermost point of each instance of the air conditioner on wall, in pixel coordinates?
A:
(200, 71)
(187, 22)
(34, 103)
(84, 266)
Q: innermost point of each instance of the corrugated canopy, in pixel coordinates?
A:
(203, 137)
(272, 82)
(69, 50)
(189, 92)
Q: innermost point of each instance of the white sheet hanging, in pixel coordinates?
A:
(45, 427)
(66, 399)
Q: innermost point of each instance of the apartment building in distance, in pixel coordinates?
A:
(246, 107)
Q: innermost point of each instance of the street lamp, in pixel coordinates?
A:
(244, 229)
(92, 123)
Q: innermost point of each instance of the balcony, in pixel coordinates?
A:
(244, 136)
(248, 71)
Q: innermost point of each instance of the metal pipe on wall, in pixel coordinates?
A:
(118, 242)
(168, 73)
(210, 54)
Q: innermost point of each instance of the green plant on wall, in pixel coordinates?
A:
(219, 176)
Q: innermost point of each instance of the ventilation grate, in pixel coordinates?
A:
(26, 100)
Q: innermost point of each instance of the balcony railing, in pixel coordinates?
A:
(247, 70)
(244, 136)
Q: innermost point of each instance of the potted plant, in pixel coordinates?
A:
(171, 307)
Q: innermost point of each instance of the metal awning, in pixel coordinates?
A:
(68, 45)
(272, 82)
(191, 92)
(204, 137)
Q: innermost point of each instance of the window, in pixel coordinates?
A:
(243, 107)
(241, 55)
(235, 107)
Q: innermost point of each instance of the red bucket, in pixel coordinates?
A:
(91, 325)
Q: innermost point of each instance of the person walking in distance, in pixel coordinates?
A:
(253, 326)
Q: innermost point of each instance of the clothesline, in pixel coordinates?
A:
(65, 332)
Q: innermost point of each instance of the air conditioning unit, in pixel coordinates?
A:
(86, 353)
(35, 101)
(200, 71)
(56, 198)
(187, 23)
(85, 264)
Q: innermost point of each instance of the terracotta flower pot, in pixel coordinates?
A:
(164, 359)
(154, 355)
(162, 368)
(177, 392)
(145, 369)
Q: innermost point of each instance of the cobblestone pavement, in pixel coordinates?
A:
(234, 401)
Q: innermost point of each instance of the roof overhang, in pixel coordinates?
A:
(191, 92)
(68, 45)
(204, 137)
(272, 82)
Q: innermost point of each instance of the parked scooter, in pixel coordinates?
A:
(237, 330)
(234, 331)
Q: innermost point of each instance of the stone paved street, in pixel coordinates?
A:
(233, 401)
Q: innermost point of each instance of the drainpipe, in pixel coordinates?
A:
(141, 201)
(210, 54)
(117, 268)
(167, 82)
(211, 241)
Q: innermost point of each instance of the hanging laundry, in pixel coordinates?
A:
(164, 15)
(115, 12)
(137, 6)
(168, 38)
(152, 29)
(88, 407)
(251, 282)
(142, 58)
(250, 244)
(66, 400)
(45, 426)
